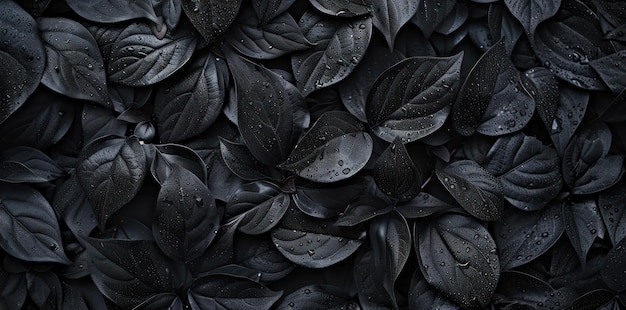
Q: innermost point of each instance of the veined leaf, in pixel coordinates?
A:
(210, 17)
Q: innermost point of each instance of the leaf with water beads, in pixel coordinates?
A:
(395, 173)
(211, 18)
(613, 269)
(391, 15)
(261, 204)
(583, 225)
(318, 296)
(522, 289)
(612, 70)
(531, 13)
(613, 210)
(229, 292)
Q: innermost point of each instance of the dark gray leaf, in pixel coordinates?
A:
(168, 301)
(23, 164)
(525, 290)
(169, 155)
(343, 8)
(424, 296)
(422, 205)
(613, 268)
(190, 102)
(98, 122)
(594, 300)
(335, 148)
(502, 24)
(612, 207)
(241, 162)
(111, 171)
(583, 225)
(391, 15)
(71, 204)
(170, 11)
(411, 99)
(328, 200)
(138, 58)
(74, 65)
(371, 293)
(113, 11)
(479, 192)
(315, 243)
(454, 20)
(543, 86)
(338, 46)
(219, 253)
(532, 12)
(430, 15)
(211, 18)
(22, 56)
(363, 209)
(523, 236)
(570, 111)
(261, 204)
(228, 292)
(395, 174)
(612, 70)
(458, 257)
(266, 10)
(30, 229)
(318, 296)
(259, 255)
(12, 289)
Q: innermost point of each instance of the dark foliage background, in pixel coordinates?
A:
(321, 154)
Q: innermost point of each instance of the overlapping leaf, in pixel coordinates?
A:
(395, 174)
(210, 17)
(391, 15)
(261, 204)
(113, 11)
(531, 12)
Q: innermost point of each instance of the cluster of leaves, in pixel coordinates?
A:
(360, 154)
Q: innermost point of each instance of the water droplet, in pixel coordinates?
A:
(345, 171)
(311, 252)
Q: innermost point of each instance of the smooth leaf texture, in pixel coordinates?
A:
(241, 162)
(138, 58)
(169, 155)
(343, 8)
(543, 86)
(422, 205)
(315, 243)
(114, 11)
(24, 164)
(458, 257)
(266, 10)
(190, 102)
(98, 122)
(111, 171)
(186, 215)
(395, 174)
(72, 206)
(328, 200)
(74, 65)
(530, 172)
(228, 292)
(478, 191)
(128, 271)
(491, 100)
(411, 99)
(30, 230)
(22, 56)
(261, 256)
(613, 269)
(211, 18)
(391, 15)
(532, 12)
(265, 118)
(571, 109)
(430, 14)
(277, 37)
(317, 296)
(261, 204)
(583, 225)
(335, 148)
(613, 210)
(611, 70)
(338, 46)
(371, 293)
(524, 236)
(525, 290)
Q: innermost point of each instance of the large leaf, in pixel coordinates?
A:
(228, 292)
(138, 58)
(491, 101)
(186, 217)
(189, 103)
(613, 210)
(571, 109)
(128, 271)
(370, 292)
(530, 172)
(458, 257)
(262, 204)
(532, 12)
(524, 236)
(22, 56)
(24, 164)
(583, 225)
(29, 228)
(335, 148)
(612, 70)
(111, 171)
(524, 290)
(113, 11)
(318, 296)
(430, 14)
(479, 192)
(74, 65)
(396, 174)
(315, 243)
(569, 41)
(411, 99)
(391, 15)
(339, 45)
(265, 110)
(211, 17)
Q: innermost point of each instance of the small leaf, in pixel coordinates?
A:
(111, 171)
(23, 164)
(457, 245)
(22, 56)
(612, 70)
(315, 243)
(74, 65)
(345, 8)
(338, 46)
(335, 148)
(113, 11)
(395, 174)
(583, 225)
(411, 99)
(29, 228)
(543, 86)
(430, 15)
(261, 204)
(532, 12)
(613, 268)
(391, 15)
(138, 58)
(478, 191)
(613, 210)
(317, 296)
(211, 18)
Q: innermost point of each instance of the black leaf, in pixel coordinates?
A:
(241, 162)
(412, 99)
(71, 204)
(395, 174)
(613, 210)
(266, 10)
(259, 255)
(98, 122)
(317, 296)
(23, 164)
(228, 292)
(454, 20)
(363, 209)
(613, 268)
(422, 205)
(430, 15)
(113, 11)
(570, 111)
(261, 204)
(169, 155)
(328, 200)
(422, 295)
(12, 289)
(211, 17)
(595, 299)
(522, 289)
(532, 12)
(583, 225)
(391, 15)
(168, 301)
(345, 8)
(502, 24)
(543, 86)
(612, 70)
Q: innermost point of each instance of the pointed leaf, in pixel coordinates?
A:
(211, 18)
(266, 10)
(523, 289)
(29, 228)
(391, 15)
(478, 191)
(338, 46)
(113, 11)
(532, 12)
(241, 162)
(430, 14)
(23, 164)
(318, 296)
(328, 200)
(422, 205)
(262, 205)
(502, 24)
(583, 225)
(613, 210)
(395, 174)
(227, 292)
(611, 70)
(169, 155)
(345, 8)
(98, 122)
(71, 204)
(570, 111)
(543, 86)
(363, 209)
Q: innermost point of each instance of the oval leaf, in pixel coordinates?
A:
(395, 174)
(266, 10)
(532, 12)
(211, 18)
(241, 162)
(24, 164)
(612, 70)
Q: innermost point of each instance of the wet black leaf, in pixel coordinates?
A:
(266, 10)
(258, 254)
(228, 292)
(265, 118)
(241, 162)
(44, 289)
(30, 229)
(543, 86)
(211, 17)
(583, 225)
(169, 155)
(613, 210)
(593, 300)
(22, 56)
(363, 209)
(422, 205)
(479, 192)
(317, 296)
(492, 100)
(315, 243)
(502, 24)
(191, 101)
(612, 70)
(74, 65)
(338, 46)
(261, 204)
(12, 289)
(422, 295)
(335, 148)
(570, 111)
(343, 8)
(23, 164)
(523, 236)
(71, 204)
(458, 256)
(328, 200)
(525, 290)
(113, 11)
(411, 99)
(186, 216)
(391, 15)
(395, 174)
(219, 253)
(532, 12)
(614, 266)
(454, 20)
(430, 15)
(168, 301)
(111, 171)
(139, 58)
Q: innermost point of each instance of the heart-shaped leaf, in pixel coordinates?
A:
(479, 192)
(335, 148)
(228, 292)
(315, 243)
(395, 174)
(211, 17)
(457, 255)
(22, 56)
(411, 99)
(261, 204)
(111, 171)
(30, 229)
(113, 11)
(338, 46)
(391, 15)
(532, 12)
